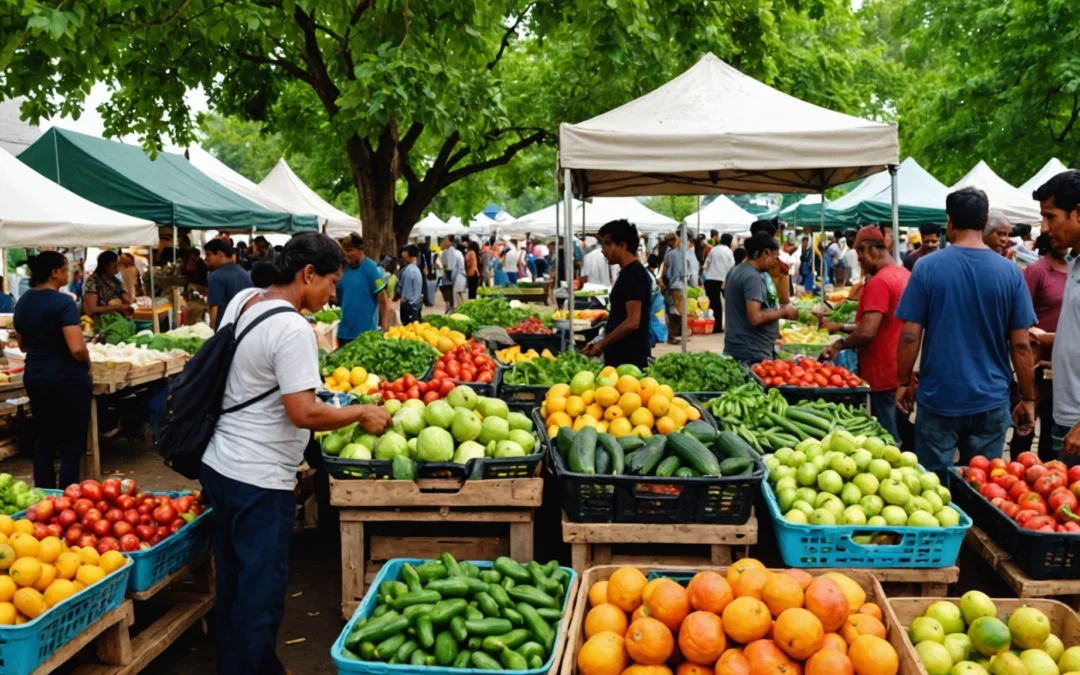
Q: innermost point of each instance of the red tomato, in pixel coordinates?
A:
(91, 489)
(826, 371)
(1073, 474)
(758, 369)
(485, 377)
(468, 374)
(1048, 483)
(1040, 523)
(398, 387)
(82, 505)
(782, 366)
(438, 374)
(1028, 459)
(446, 387)
(997, 463)
(431, 396)
(1061, 496)
(1034, 473)
(979, 462)
(1032, 501)
(1023, 515)
(836, 381)
(483, 360)
(1017, 469)
(110, 489)
(402, 397)
(820, 380)
(409, 380)
(453, 369)
(1005, 480)
(413, 392)
(991, 491)
(1010, 509)
(1070, 526)
(1058, 466)
(843, 372)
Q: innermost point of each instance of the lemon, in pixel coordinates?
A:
(628, 384)
(68, 564)
(613, 413)
(112, 561)
(50, 549)
(341, 374)
(7, 525)
(642, 432)
(30, 602)
(25, 545)
(629, 402)
(620, 427)
(89, 555)
(25, 571)
(7, 588)
(89, 575)
(642, 418)
(24, 526)
(7, 556)
(58, 591)
(48, 575)
(357, 376)
(659, 405)
(606, 396)
(7, 613)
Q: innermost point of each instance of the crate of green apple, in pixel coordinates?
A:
(161, 531)
(1030, 508)
(464, 435)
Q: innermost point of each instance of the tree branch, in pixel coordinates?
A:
(502, 159)
(321, 81)
(358, 11)
(289, 67)
(329, 31)
(409, 139)
(505, 42)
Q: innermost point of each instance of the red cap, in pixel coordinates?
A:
(868, 233)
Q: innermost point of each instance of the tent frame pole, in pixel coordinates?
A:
(823, 246)
(175, 242)
(568, 205)
(894, 188)
(685, 288)
(153, 304)
(554, 273)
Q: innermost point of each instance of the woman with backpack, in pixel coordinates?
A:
(249, 467)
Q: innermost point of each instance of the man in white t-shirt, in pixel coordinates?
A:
(851, 259)
(510, 263)
(594, 267)
(717, 265)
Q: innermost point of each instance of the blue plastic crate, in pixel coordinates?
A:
(157, 562)
(833, 546)
(391, 571)
(24, 648)
(48, 493)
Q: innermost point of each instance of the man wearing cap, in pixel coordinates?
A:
(876, 330)
(361, 293)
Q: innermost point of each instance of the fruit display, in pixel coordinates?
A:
(447, 614)
(516, 354)
(455, 322)
(698, 372)
(460, 428)
(1038, 497)
(389, 359)
(581, 314)
(972, 638)
(355, 381)
(796, 333)
(444, 339)
(467, 362)
(407, 387)
(847, 480)
(544, 373)
(805, 373)
(186, 338)
(40, 572)
(749, 620)
(112, 515)
(530, 326)
(16, 495)
(621, 405)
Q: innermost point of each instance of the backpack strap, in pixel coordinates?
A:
(255, 322)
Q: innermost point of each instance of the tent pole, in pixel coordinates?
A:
(175, 242)
(699, 215)
(823, 247)
(153, 306)
(895, 214)
(554, 274)
(568, 205)
(685, 288)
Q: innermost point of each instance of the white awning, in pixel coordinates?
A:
(723, 215)
(1051, 169)
(34, 211)
(598, 212)
(1011, 202)
(286, 187)
(240, 184)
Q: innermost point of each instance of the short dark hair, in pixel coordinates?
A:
(262, 274)
(260, 240)
(449, 237)
(766, 226)
(759, 243)
(1021, 230)
(412, 250)
(1064, 188)
(929, 229)
(352, 240)
(42, 265)
(725, 239)
(1042, 244)
(968, 208)
(311, 248)
(713, 233)
(219, 246)
(739, 254)
(621, 231)
(104, 259)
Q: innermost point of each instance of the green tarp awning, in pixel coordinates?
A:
(921, 199)
(167, 190)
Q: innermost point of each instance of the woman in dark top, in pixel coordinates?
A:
(103, 292)
(472, 269)
(626, 338)
(57, 375)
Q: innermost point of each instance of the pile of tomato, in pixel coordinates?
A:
(805, 373)
(465, 363)
(1039, 497)
(407, 387)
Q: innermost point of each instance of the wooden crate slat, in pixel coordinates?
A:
(384, 548)
(498, 493)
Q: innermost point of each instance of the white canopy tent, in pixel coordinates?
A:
(714, 130)
(1011, 202)
(238, 183)
(1049, 170)
(723, 215)
(429, 226)
(594, 214)
(286, 187)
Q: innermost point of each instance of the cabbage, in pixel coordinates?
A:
(411, 421)
(391, 443)
(468, 450)
(434, 445)
(439, 414)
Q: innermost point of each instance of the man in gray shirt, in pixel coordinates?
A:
(410, 286)
(753, 317)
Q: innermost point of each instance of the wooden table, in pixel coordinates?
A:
(1067, 590)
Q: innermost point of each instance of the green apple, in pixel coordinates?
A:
(805, 507)
(851, 494)
(854, 515)
(933, 500)
(929, 480)
(822, 517)
(807, 494)
(820, 461)
(944, 493)
(823, 498)
(807, 474)
(787, 483)
(830, 481)
(875, 446)
(833, 506)
(859, 440)
(876, 521)
(845, 466)
(771, 463)
(891, 455)
(879, 469)
(894, 516)
(894, 492)
(814, 451)
(926, 628)
(783, 471)
(867, 483)
(948, 517)
(862, 459)
(908, 459)
(796, 516)
(912, 484)
(872, 504)
(798, 458)
(916, 504)
(784, 455)
(922, 519)
(785, 498)
(804, 445)
(948, 615)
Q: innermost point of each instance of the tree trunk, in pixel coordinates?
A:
(375, 177)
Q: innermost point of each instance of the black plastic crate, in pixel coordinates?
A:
(1042, 555)
(858, 396)
(594, 498)
(381, 469)
(552, 342)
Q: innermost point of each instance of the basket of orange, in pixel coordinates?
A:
(740, 620)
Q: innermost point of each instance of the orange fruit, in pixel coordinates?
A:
(649, 642)
(602, 654)
(669, 604)
(50, 549)
(781, 592)
(678, 416)
(89, 575)
(598, 593)
(613, 413)
(665, 425)
(751, 582)
(25, 545)
(48, 575)
(7, 588)
(606, 396)
(637, 669)
(802, 576)
(25, 571)
(646, 394)
(798, 633)
(873, 610)
(854, 593)
(620, 427)
(825, 599)
(701, 638)
(628, 384)
(740, 566)
(766, 658)
(561, 389)
(861, 624)
(709, 592)
(574, 406)
(112, 561)
(7, 556)
(691, 668)
(68, 564)
(871, 655)
(630, 402)
(7, 525)
(8, 613)
(639, 613)
(624, 588)
(732, 662)
(642, 417)
(834, 641)
(746, 619)
(647, 592)
(829, 662)
(606, 617)
(659, 405)
(24, 526)
(89, 555)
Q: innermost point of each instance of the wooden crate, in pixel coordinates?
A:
(1064, 623)
(109, 635)
(1024, 586)
(591, 543)
(874, 593)
(926, 583)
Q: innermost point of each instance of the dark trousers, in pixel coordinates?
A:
(472, 283)
(61, 413)
(409, 312)
(714, 291)
(1044, 411)
(252, 531)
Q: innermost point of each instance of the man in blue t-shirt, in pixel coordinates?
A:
(226, 278)
(975, 310)
(361, 293)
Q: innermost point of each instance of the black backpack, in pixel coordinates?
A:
(193, 406)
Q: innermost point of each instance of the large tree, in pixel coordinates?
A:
(407, 98)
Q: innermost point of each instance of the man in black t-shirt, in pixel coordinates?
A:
(626, 338)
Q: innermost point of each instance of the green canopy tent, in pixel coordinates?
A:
(921, 200)
(168, 190)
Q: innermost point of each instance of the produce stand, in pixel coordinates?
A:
(591, 543)
(428, 503)
(1018, 580)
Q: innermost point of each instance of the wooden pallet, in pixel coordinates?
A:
(368, 505)
(1067, 590)
(109, 634)
(591, 543)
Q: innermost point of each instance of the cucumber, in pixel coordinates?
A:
(630, 443)
(733, 445)
(651, 455)
(582, 458)
(603, 463)
(564, 439)
(694, 454)
(703, 431)
(614, 452)
(736, 466)
(686, 472)
(668, 467)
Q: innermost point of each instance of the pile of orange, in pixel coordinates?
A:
(751, 621)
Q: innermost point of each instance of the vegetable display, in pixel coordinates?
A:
(516, 354)
(805, 373)
(581, 314)
(844, 312)
(355, 381)
(114, 328)
(390, 359)
(455, 322)
(706, 371)
(1039, 497)
(165, 342)
(447, 614)
(442, 339)
(795, 333)
(327, 315)
(137, 356)
(545, 372)
(532, 326)
(408, 387)
(495, 312)
(16, 495)
(467, 362)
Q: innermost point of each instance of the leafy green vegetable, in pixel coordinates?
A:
(165, 342)
(498, 312)
(693, 293)
(327, 315)
(390, 359)
(543, 372)
(844, 312)
(704, 371)
(115, 327)
(439, 320)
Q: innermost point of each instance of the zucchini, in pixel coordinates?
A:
(582, 457)
(603, 463)
(652, 454)
(668, 467)
(614, 453)
(687, 472)
(696, 455)
(732, 445)
(736, 466)
(630, 443)
(703, 431)
(564, 439)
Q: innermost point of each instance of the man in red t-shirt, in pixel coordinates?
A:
(876, 330)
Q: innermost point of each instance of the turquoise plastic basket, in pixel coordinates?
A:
(48, 493)
(24, 648)
(391, 571)
(834, 546)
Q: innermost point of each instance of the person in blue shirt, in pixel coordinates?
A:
(226, 278)
(361, 293)
(970, 310)
(410, 288)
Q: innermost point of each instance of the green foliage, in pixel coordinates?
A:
(494, 311)
(707, 371)
(389, 359)
(542, 372)
(115, 328)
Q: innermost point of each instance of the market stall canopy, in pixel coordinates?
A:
(1051, 169)
(598, 212)
(713, 129)
(430, 226)
(241, 185)
(34, 211)
(286, 187)
(921, 199)
(806, 211)
(15, 135)
(1011, 202)
(723, 215)
(167, 190)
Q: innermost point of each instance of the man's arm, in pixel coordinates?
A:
(213, 315)
(860, 334)
(1024, 365)
(907, 350)
(383, 299)
(628, 326)
(759, 317)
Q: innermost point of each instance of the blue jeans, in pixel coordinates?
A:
(252, 531)
(937, 437)
(512, 278)
(883, 407)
